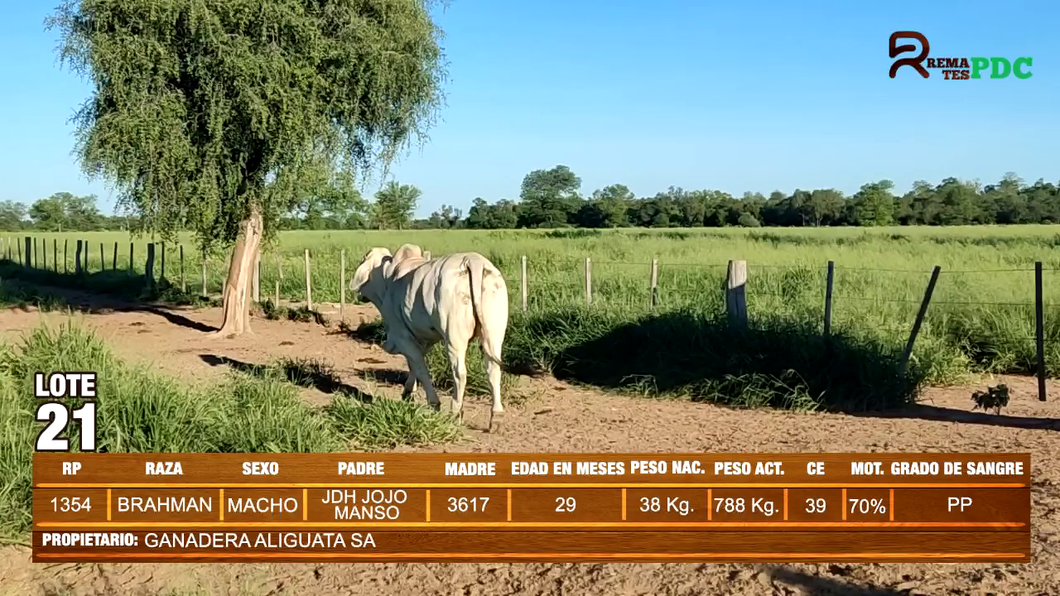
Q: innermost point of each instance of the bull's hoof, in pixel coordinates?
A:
(437, 406)
(406, 397)
(496, 421)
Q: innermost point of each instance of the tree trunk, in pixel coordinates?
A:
(236, 294)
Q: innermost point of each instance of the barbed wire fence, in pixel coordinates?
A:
(32, 253)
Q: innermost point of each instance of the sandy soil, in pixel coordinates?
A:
(556, 417)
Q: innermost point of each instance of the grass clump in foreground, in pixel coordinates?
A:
(140, 411)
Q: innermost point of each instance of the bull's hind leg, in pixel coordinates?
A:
(419, 371)
(410, 386)
(457, 350)
(493, 373)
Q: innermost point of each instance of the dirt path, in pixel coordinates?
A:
(559, 418)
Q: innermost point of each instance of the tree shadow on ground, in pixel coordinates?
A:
(303, 373)
(374, 332)
(820, 585)
(101, 292)
(700, 356)
(371, 332)
(390, 376)
(944, 414)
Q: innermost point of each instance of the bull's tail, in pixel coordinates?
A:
(491, 312)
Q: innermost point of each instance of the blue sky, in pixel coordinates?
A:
(696, 94)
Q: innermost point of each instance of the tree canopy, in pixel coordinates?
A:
(221, 115)
(205, 110)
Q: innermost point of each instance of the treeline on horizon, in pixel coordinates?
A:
(552, 199)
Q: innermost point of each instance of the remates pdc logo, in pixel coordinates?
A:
(953, 69)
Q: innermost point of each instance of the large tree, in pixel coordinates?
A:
(549, 197)
(222, 114)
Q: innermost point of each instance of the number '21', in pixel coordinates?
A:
(57, 416)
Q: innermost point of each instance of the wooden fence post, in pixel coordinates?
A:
(279, 276)
(162, 269)
(524, 281)
(29, 251)
(114, 258)
(84, 268)
(256, 280)
(35, 253)
(77, 258)
(149, 271)
(18, 245)
(102, 258)
(44, 252)
(66, 254)
(308, 283)
(204, 294)
(130, 257)
(183, 282)
(1039, 328)
(828, 299)
(736, 293)
(342, 285)
(654, 299)
(55, 255)
(908, 352)
(588, 281)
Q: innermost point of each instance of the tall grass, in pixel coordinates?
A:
(140, 411)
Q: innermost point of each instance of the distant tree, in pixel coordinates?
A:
(12, 216)
(446, 218)
(49, 214)
(337, 204)
(478, 214)
(958, 202)
(874, 204)
(607, 208)
(550, 198)
(1007, 200)
(64, 210)
(824, 207)
(394, 205)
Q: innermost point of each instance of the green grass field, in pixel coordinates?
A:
(981, 317)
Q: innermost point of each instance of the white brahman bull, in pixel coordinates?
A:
(452, 299)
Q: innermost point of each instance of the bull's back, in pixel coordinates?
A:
(449, 278)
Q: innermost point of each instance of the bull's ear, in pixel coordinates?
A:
(407, 251)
